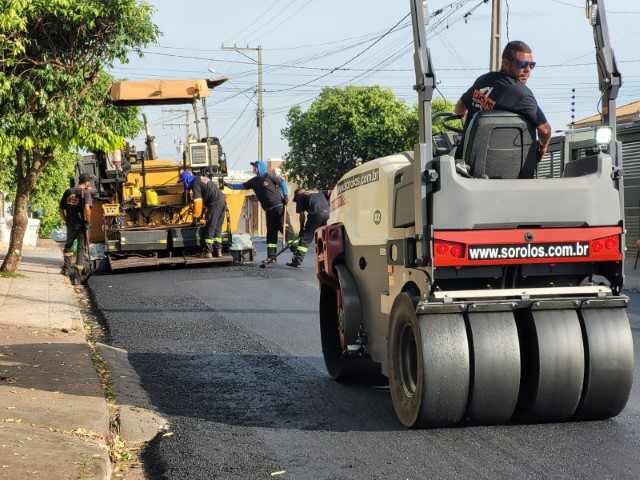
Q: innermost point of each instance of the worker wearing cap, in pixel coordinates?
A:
(312, 204)
(207, 194)
(273, 195)
(75, 211)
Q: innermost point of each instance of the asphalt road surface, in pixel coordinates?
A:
(231, 357)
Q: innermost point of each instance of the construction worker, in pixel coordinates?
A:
(75, 211)
(312, 204)
(506, 90)
(206, 193)
(273, 195)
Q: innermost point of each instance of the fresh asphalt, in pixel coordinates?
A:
(229, 357)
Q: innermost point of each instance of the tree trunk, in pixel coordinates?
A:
(18, 229)
(21, 204)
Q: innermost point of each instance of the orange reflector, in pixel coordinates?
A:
(390, 268)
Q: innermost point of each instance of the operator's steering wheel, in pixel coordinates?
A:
(445, 118)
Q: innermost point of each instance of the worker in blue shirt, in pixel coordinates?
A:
(207, 194)
(273, 195)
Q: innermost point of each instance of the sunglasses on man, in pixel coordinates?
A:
(524, 64)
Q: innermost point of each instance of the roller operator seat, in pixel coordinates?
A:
(500, 144)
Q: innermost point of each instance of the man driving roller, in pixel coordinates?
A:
(506, 90)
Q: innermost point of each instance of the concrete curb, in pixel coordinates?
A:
(139, 422)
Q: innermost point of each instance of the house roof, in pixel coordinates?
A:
(624, 114)
(238, 176)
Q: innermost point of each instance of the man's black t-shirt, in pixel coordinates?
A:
(267, 188)
(207, 190)
(495, 90)
(312, 201)
(71, 203)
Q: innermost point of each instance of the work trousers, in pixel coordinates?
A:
(274, 225)
(75, 232)
(214, 218)
(312, 223)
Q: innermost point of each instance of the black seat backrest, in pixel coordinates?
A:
(500, 144)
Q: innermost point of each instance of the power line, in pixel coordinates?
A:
(239, 116)
(286, 19)
(348, 61)
(257, 18)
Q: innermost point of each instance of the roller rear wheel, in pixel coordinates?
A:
(554, 366)
(429, 368)
(609, 369)
(495, 377)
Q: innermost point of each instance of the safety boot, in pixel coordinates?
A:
(67, 268)
(271, 254)
(206, 254)
(217, 251)
(296, 261)
(76, 274)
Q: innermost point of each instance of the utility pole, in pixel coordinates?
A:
(496, 29)
(205, 117)
(186, 123)
(260, 113)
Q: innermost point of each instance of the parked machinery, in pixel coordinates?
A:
(141, 213)
(484, 298)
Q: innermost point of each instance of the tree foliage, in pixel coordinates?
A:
(62, 169)
(49, 189)
(437, 106)
(341, 128)
(53, 88)
(346, 126)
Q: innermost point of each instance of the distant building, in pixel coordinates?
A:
(624, 114)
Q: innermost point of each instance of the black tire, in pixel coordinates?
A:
(553, 366)
(339, 365)
(609, 368)
(495, 377)
(429, 368)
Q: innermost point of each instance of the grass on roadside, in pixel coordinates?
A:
(124, 458)
(12, 275)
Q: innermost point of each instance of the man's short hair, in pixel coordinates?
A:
(514, 47)
(84, 178)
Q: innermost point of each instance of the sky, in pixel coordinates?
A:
(309, 44)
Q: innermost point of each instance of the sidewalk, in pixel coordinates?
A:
(54, 420)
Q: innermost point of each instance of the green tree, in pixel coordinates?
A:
(55, 179)
(344, 127)
(53, 89)
(51, 184)
(49, 189)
